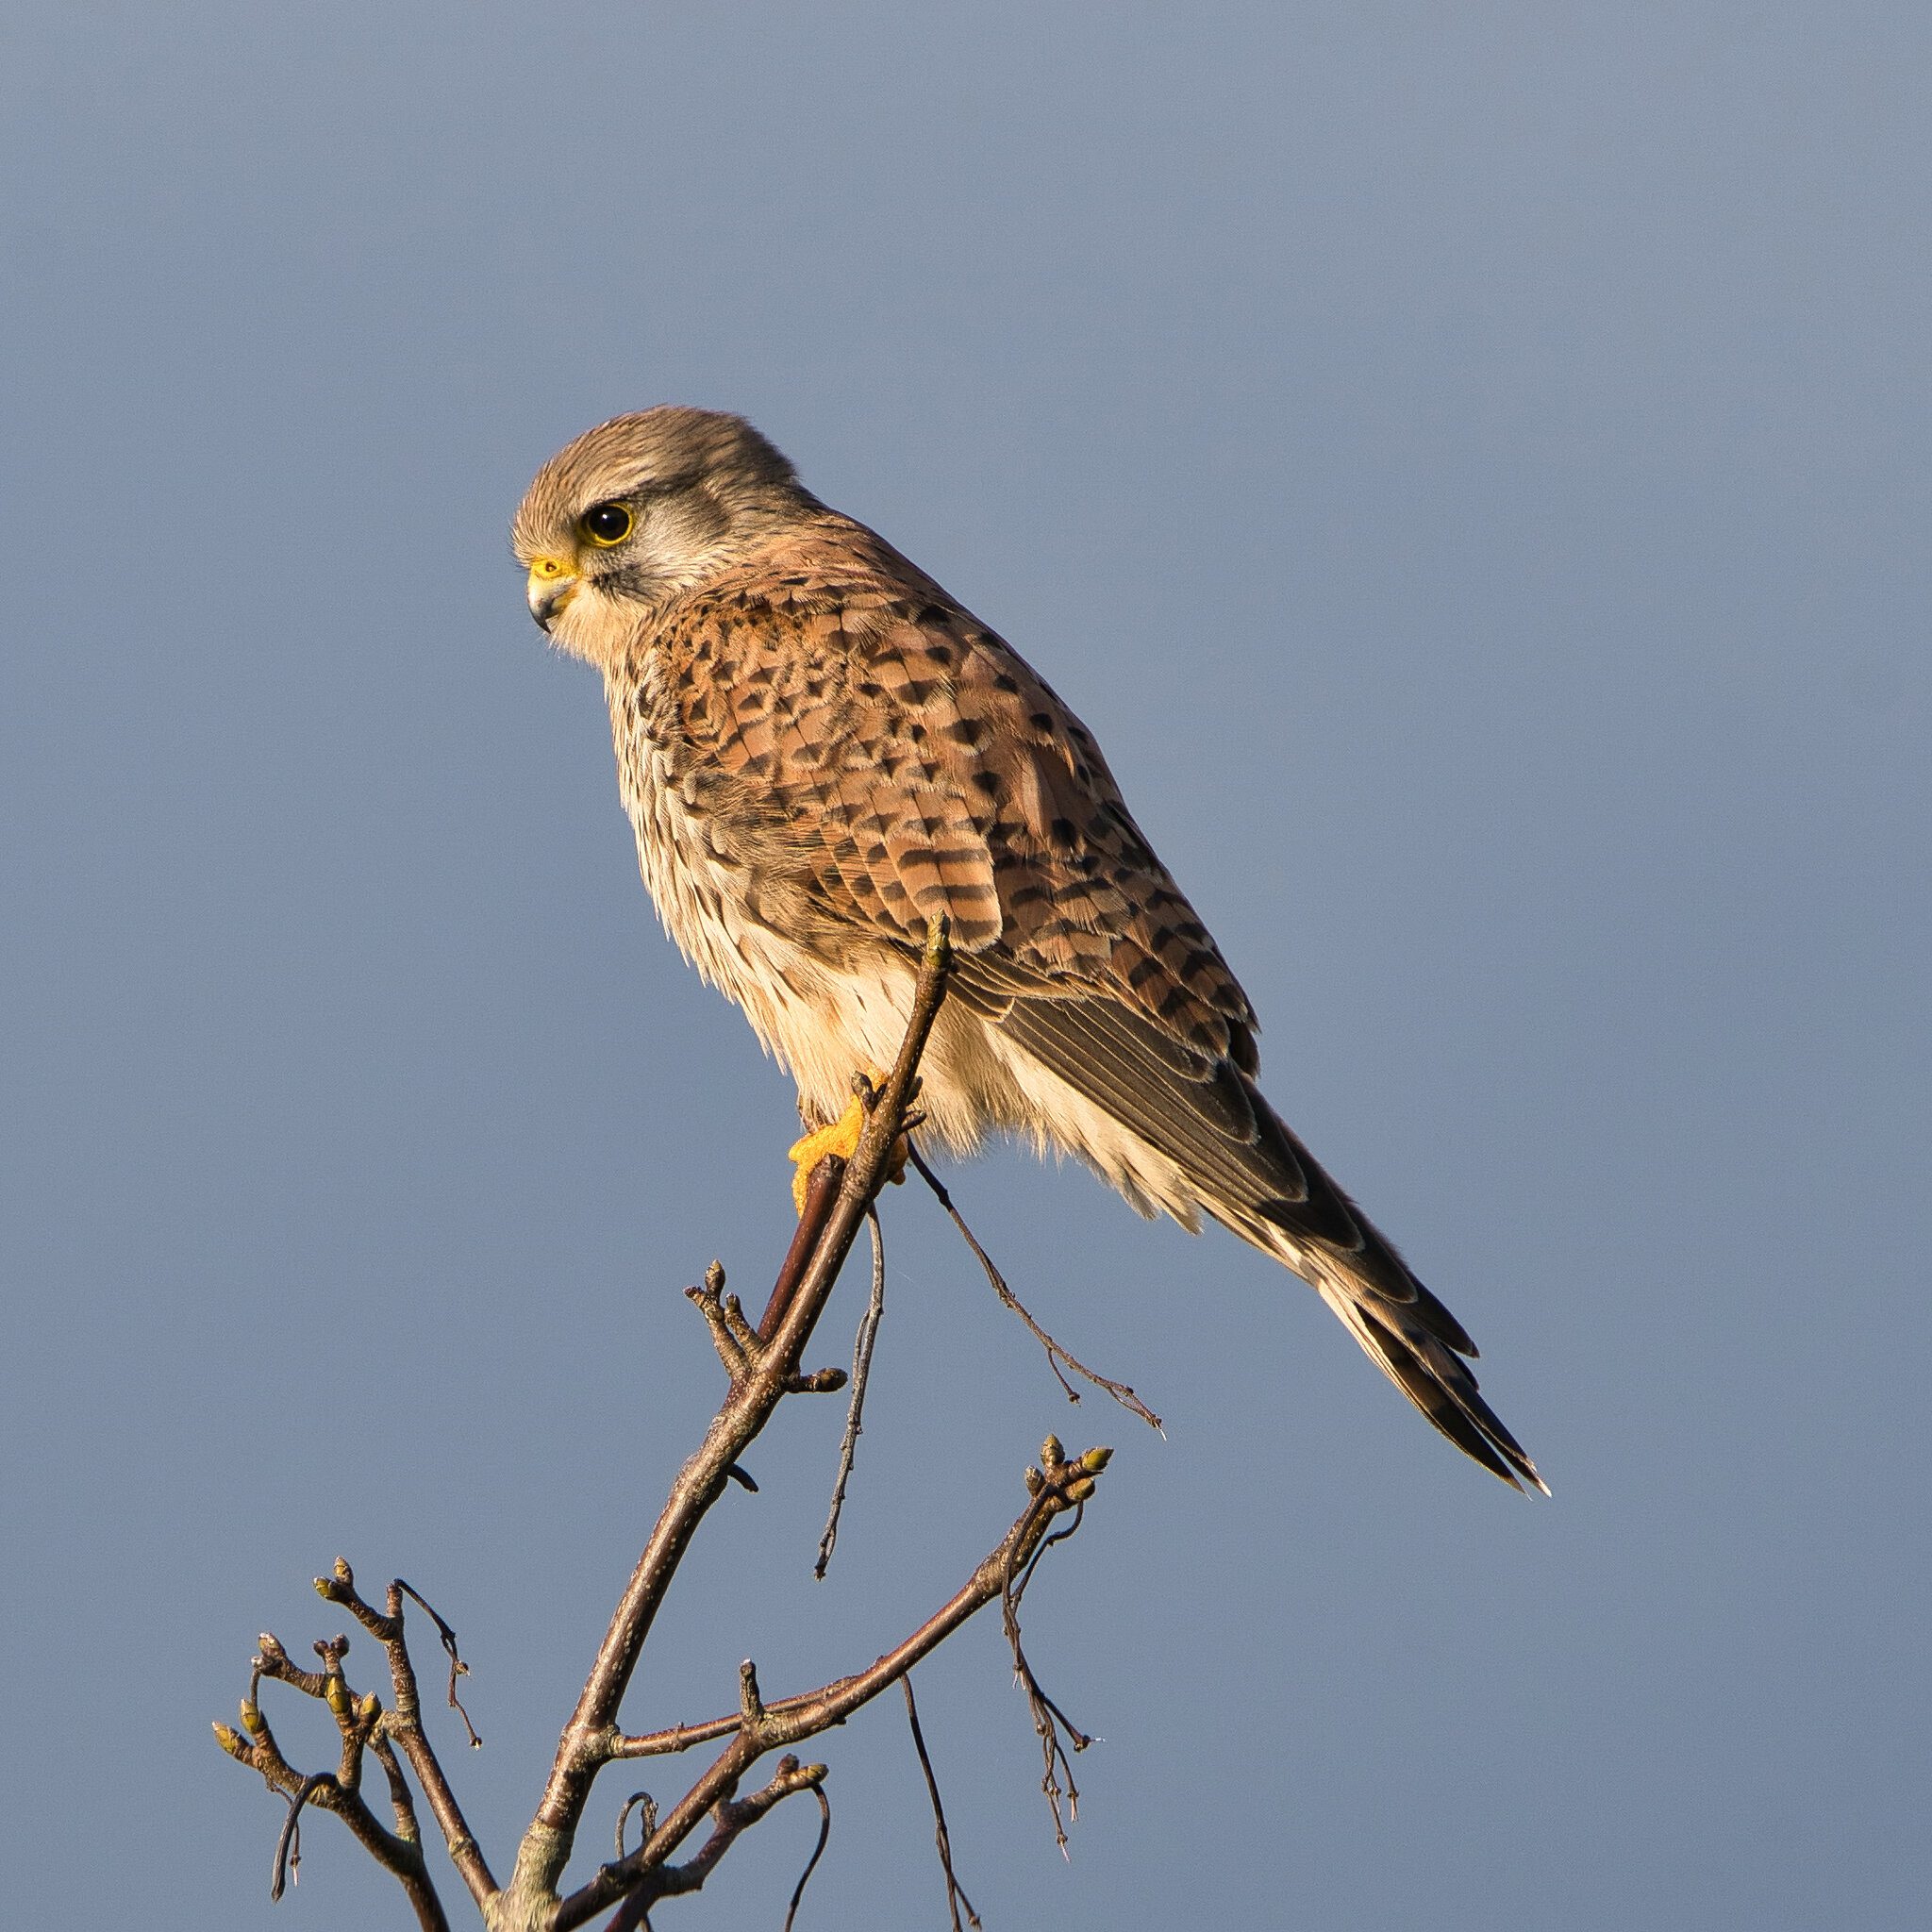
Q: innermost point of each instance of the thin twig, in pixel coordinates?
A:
(1047, 1715)
(1055, 1354)
(288, 1865)
(818, 1852)
(458, 1668)
(861, 1371)
(401, 1801)
(955, 1892)
(630, 1804)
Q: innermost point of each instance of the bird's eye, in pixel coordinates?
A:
(606, 524)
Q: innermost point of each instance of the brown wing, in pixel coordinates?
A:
(903, 762)
(906, 762)
(917, 765)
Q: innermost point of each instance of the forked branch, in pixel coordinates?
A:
(762, 1366)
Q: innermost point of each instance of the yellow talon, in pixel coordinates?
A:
(841, 1138)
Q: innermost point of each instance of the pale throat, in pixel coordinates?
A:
(596, 627)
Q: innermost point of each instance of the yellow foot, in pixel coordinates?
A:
(841, 1138)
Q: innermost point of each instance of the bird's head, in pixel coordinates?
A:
(637, 510)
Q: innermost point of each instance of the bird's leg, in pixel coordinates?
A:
(842, 1138)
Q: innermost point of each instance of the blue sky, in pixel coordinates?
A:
(1468, 467)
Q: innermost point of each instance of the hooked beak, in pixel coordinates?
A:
(551, 585)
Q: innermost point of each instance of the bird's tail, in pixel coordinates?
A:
(1403, 1328)
(1171, 1128)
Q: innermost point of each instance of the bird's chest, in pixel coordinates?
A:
(707, 883)
(697, 896)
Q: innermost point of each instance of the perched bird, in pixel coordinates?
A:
(820, 750)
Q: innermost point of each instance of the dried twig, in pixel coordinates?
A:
(955, 1892)
(630, 1804)
(818, 1852)
(1055, 1354)
(458, 1668)
(862, 1372)
(1047, 1716)
(287, 1863)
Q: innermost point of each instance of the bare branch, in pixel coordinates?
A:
(404, 1724)
(255, 1747)
(770, 1361)
(762, 1366)
(1056, 1488)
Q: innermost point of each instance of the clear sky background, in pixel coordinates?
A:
(1468, 465)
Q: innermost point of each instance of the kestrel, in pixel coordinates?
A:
(820, 750)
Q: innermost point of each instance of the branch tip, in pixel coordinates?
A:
(751, 1705)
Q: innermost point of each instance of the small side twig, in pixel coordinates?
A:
(818, 1852)
(630, 1805)
(458, 1668)
(288, 1865)
(401, 1801)
(1055, 1354)
(404, 1724)
(862, 1372)
(955, 1892)
(1048, 1717)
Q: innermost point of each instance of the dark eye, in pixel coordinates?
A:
(608, 523)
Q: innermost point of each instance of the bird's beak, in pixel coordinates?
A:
(551, 585)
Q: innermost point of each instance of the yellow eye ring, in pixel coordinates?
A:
(608, 524)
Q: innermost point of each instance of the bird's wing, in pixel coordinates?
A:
(920, 766)
(914, 765)
(907, 762)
